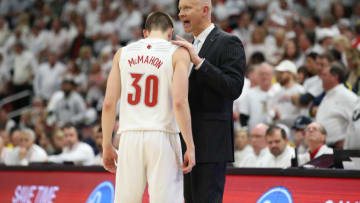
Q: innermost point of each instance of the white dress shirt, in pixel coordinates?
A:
(24, 67)
(281, 161)
(48, 79)
(240, 156)
(282, 102)
(352, 141)
(199, 41)
(313, 86)
(255, 105)
(34, 154)
(253, 161)
(80, 154)
(304, 158)
(335, 112)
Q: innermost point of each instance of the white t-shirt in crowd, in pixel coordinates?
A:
(313, 85)
(255, 105)
(253, 161)
(80, 154)
(282, 102)
(240, 156)
(352, 141)
(281, 161)
(34, 154)
(335, 112)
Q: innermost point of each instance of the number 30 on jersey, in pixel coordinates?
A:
(151, 89)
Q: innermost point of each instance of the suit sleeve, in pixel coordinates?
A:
(226, 78)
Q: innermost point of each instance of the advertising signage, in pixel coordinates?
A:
(98, 187)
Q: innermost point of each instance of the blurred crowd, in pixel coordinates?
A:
(301, 92)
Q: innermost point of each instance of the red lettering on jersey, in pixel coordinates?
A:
(152, 60)
(131, 99)
(147, 59)
(158, 65)
(155, 62)
(131, 62)
(140, 59)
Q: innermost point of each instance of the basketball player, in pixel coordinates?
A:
(150, 77)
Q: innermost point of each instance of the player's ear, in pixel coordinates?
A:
(170, 34)
(145, 33)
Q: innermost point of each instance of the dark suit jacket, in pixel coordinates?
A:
(212, 89)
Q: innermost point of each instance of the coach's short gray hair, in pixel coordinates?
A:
(29, 132)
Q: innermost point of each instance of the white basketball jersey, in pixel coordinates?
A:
(146, 86)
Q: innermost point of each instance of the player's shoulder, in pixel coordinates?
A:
(179, 49)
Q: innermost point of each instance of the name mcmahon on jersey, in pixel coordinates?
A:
(152, 60)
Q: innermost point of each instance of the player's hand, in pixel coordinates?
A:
(195, 59)
(189, 161)
(109, 158)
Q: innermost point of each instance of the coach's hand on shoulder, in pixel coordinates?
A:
(109, 158)
(189, 161)
(195, 59)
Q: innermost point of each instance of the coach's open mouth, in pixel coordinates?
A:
(186, 23)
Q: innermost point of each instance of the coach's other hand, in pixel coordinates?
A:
(189, 161)
(109, 158)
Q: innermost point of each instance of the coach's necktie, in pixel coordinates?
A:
(196, 45)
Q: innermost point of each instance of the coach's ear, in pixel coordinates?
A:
(145, 33)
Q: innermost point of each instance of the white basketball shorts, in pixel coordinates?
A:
(149, 157)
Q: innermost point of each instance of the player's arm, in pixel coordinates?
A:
(181, 63)
(112, 95)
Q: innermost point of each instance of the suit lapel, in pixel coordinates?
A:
(205, 47)
(208, 41)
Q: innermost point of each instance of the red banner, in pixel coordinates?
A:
(98, 187)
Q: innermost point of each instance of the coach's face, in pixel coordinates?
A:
(190, 14)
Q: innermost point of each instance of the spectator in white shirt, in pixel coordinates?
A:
(48, 77)
(4, 76)
(315, 137)
(3, 150)
(70, 107)
(245, 28)
(280, 152)
(58, 38)
(74, 151)
(102, 31)
(92, 16)
(254, 107)
(314, 90)
(352, 141)
(282, 110)
(259, 149)
(4, 31)
(128, 21)
(242, 147)
(23, 71)
(257, 42)
(78, 6)
(27, 151)
(335, 111)
(36, 39)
